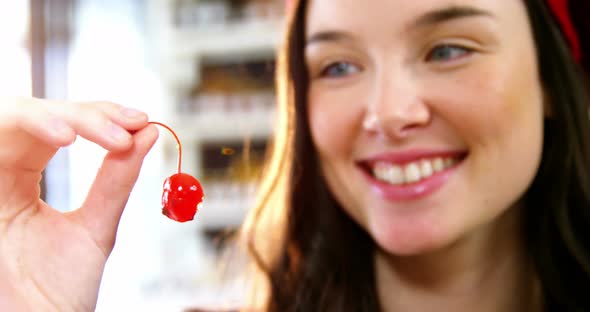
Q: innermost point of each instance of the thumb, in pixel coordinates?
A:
(109, 193)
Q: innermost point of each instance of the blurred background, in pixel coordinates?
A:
(206, 68)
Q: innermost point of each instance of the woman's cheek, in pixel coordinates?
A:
(334, 118)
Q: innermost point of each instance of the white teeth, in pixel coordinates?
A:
(412, 172)
(396, 175)
(389, 173)
(438, 164)
(426, 168)
(380, 170)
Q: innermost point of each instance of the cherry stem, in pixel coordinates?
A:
(175, 137)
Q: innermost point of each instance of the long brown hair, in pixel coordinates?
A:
(557, 213)
(311, 256)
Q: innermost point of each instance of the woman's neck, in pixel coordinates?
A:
(487, 271)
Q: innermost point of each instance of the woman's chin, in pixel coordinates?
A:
(410, 238)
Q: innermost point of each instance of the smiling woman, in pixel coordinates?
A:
(429, 155)
(435, 159)
(422, 93)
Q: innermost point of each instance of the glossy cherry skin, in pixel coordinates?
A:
(181, 197)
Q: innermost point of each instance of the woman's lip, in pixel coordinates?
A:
(412, 191)
(408, 156)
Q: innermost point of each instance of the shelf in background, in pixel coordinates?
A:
(257, 124)
(257, 38)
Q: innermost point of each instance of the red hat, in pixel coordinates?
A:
(573, 17)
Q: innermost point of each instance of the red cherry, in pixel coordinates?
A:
(181, 198)
(182, 193)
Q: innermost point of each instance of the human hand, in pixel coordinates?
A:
(51, 260)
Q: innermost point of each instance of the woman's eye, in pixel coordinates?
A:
(447, 53)
(339, 69)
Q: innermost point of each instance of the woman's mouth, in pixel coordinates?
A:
(410, 175)
(413, 172)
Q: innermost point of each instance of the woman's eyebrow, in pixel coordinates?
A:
(428, 19)
(327, 36)
(447, 14)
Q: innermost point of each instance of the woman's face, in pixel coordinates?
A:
(427, 115)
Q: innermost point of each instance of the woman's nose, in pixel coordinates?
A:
(395, 107)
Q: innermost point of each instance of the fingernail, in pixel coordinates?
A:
(132, 112)
(118, 133)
